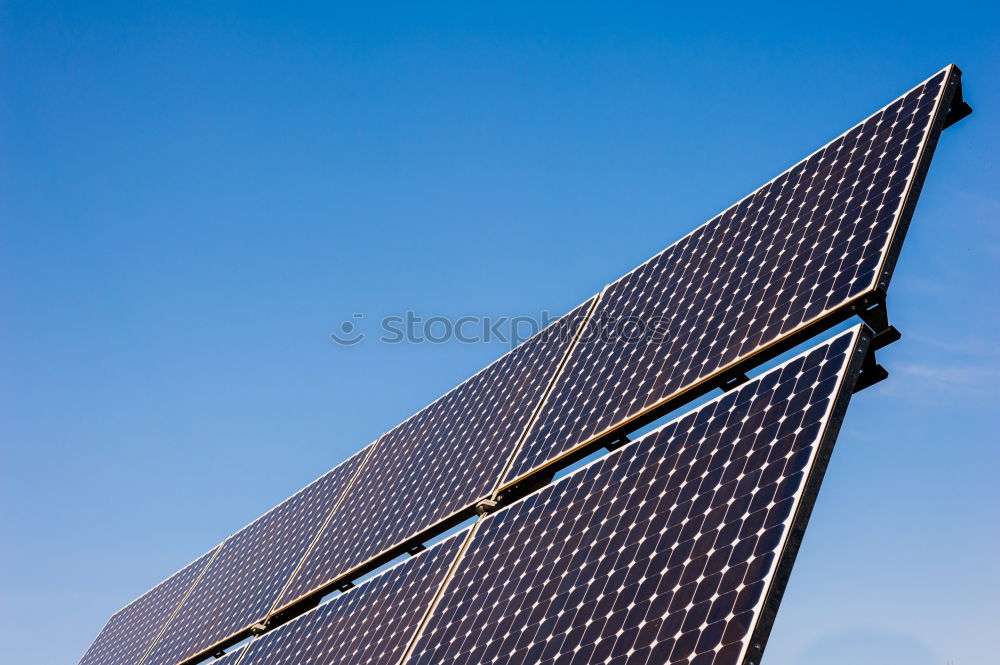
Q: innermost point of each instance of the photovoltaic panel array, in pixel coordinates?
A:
(368, 625)
(440, 462)
(671, 550)
(242, 583)
(132, 630)
(798, 253)
(675, 548)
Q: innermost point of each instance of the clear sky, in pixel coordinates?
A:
(193, 197)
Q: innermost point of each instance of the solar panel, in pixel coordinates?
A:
(132, 630)
(803, 252)
(239, 588)
(430, 471)
(673, 549)
(371, 624)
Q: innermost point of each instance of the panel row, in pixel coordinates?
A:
(796, 253)
(665, 551)
(432, 468)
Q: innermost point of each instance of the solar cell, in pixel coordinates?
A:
(798, 255)
(674, 549)
(239, 588)
(130, 632)
(430, 471)
(371, 624)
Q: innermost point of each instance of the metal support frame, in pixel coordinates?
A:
(615, 444)
(731, 381)
(958, 108)
(486, 506)
(871, 371)
(876, 317)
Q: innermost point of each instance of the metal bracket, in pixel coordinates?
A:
(958, 109)
(486, 506)
(876, 317)
(345, 586)
(416, 549)
(733, 380)
(871, 371)
(532, 483)
(615, 444)
(259, 628)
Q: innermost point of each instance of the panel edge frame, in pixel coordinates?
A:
(766, 609)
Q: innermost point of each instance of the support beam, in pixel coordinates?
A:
(959, 108)
(733, 380)
(486, 506)
(876, 317)
(871, 371)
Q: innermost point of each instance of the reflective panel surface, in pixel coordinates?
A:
(665, 551)
(816, 238)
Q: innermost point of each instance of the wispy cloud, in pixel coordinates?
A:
(967, 378)
(979, 350)
(936, 368)
(868, 645)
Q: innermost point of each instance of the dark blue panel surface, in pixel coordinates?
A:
(801, 250)
(372, 624)
(673, 549)
(440, 461)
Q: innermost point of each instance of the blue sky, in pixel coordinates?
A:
(193, 197)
